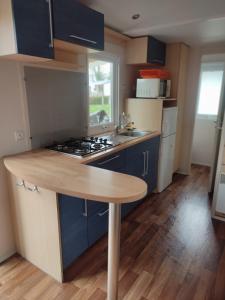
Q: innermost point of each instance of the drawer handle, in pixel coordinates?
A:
(108, 160)
(82, 39)
(147, 159)
(85, 213)
(51, 45)
(144, 167)
(103, 213)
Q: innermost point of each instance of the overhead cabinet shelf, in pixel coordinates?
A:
(146, 50)
(29, 30)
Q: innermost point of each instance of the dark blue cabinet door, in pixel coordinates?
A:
(156, 51)
(135, 161)
(152, 148)
(73, 224)
(97, 225)
(32, 25)
(79, 24)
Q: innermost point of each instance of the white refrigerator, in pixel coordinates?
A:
(167, 148)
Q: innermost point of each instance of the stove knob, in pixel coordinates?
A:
(92, 138)
(101, 140)
(105, 141)
(96, 138)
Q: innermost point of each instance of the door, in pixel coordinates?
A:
(218, 204)
(33, 21)
(209, 116)
(217, 139)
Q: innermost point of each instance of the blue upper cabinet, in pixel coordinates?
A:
(146, 50)
(32, 24)
(79, 24)
(156, 53)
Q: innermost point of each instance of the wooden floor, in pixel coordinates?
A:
(171, 249)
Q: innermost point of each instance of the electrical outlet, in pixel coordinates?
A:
(19, 135)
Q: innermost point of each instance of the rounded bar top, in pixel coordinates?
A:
(63, 174)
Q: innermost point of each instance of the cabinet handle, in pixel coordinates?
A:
(157, 60)
(147, 158)
(103, 213)
(82, 39)
(144, 169)
(20, 184)
(34, 189)
(85, 213)
(51, 45)
(108, 160)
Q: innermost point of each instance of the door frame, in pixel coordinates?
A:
(218, 136)
(218, 172)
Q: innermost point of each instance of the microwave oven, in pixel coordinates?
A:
(153, 88)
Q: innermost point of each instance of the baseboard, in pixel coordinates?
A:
(200, 164)
(7, 255)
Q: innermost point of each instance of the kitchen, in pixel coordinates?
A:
(33, 81)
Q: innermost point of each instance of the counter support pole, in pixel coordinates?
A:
(113, 250)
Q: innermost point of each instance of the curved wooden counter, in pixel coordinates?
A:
(63, 174)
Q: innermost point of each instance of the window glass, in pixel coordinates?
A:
(210, 89)
(100, 92)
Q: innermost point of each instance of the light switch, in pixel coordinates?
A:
(19, 135)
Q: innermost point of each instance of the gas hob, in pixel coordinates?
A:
(83, 146)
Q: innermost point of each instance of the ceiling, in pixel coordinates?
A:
(195, 22)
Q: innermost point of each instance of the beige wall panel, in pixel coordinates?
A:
(36, 227)
(145, 113)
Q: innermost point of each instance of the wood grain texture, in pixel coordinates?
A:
(68, 175)
(171, 250)
(36, 227)
(145, 113)
(177, 63)
(136, 52)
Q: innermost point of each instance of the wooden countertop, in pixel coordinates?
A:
(68, 175)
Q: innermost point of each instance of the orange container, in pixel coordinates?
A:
(154, 73)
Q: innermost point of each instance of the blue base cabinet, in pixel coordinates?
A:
(73, 224)
(84, 222)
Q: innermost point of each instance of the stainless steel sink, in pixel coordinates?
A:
(135, 133)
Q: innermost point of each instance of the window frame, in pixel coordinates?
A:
(101, 128)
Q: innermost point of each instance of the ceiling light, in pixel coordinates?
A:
(136, 16)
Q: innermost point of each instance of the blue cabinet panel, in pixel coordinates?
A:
(32, 25)
(115, 162)
(97, 225)
(156, 51)
(80, 232)
(135, 161)
(152, 147)
(79, 24)
(73, 226)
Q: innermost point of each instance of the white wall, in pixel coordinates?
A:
(203, 142)
(11, 118)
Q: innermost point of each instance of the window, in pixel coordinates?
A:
(103, 91)
(210, 89)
